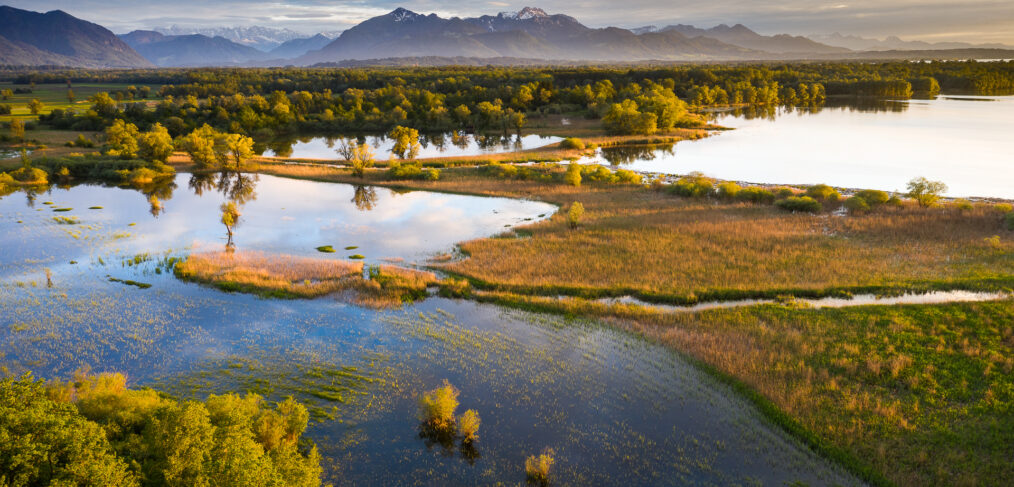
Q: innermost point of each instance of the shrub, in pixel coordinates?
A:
(572, 143)
(755, 194)
(468, 426)
(575, 213)
(436, 407)
(1008, 221)
(857, 204)
(895, 201)
(728, 190)
(537, 467)
(597, 173)
(30, 175)
(799, 203)
(573, 175)
(431, 174)
(822, 192)
(693, 185)
(628, 176)
(1003, 207)
(963, 205)
(784, 192)
(926, 192)
(874, 197)
(399, 170)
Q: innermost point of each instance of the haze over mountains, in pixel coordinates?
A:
(529, 35)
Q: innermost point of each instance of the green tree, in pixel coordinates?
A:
(468, 426)
(7, 94)
(927, 193)
(200, 145)
(103, 104)
(48, 442)
(574, 214)
(35, 106)
(156, 145)
(406, 142)
(436, 407)
(625, 119)
(573, 174)
(17, 129)
(362, 158)
(235, 148)
(70, 95)
(121, 139)
(230, 218)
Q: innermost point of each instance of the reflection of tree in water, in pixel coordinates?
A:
(365, 198)
(155, 192)
(202, 182)
(446, 439)
(439, 141)
(460, 139)
(281, 147)
(620, 155)
(850, 104)
(238, 187)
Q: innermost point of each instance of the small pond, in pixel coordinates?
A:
(452, 144)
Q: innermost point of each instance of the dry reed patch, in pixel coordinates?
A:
(288, 276)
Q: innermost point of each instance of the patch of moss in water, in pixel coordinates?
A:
(94, 207)
(62, 209)
(48, 203)
(66, 220)
(327, 249)
(129, 282)
(357, 256)
(352, 247)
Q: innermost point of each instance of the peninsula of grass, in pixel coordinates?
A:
(291, 277)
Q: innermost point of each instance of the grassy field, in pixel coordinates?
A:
(55, 96)
(644, 242)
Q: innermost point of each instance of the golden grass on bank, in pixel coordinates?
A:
(288, 276)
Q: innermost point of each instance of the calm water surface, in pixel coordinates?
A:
(614, 407)
(965, 141)
(441, 145)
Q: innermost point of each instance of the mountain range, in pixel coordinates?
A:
(528, 36)
(59, 39)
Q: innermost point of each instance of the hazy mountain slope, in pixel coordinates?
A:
(740, 35)
(191, 50)
(298, 47)
(35, 37)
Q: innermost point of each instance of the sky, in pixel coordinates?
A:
(929, 20)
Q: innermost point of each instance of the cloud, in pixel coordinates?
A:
(970, 20)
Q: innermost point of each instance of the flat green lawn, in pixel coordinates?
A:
(54, 95)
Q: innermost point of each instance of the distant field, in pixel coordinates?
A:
(55, 96)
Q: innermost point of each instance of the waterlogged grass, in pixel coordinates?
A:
(129, 282)
(327, 249)
(286, 276)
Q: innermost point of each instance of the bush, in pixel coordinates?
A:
(799, 203)
(399, 170)
(1003, 207)
(784, 192)
(728, 190)
(1008, 221)
(755, 194)
(874, 197)
(537, 467)
(822, 192)
(572, 143)
(597, 173)
(574, 214)
(857, 204)
(431, 174)
(468, 426)
(693, 185)
(30, 176)
(436, 407)
(628, 176)
(963, 205)
(573, 175)
(926, 192)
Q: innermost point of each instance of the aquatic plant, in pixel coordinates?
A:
(437, 407)
(326, 249)
(468, 426)
(537, 467)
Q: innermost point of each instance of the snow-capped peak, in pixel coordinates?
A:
(525, 14)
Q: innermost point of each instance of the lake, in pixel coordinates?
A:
(613, 406)
(964, 141)
(441, 145)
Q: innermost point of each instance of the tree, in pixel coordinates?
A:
(574, 214)
(17, 129)
(200, 145)
(103, 104)
(625, 119)
(516, 120)
(537, 467)
(235, 147)
(7, 94)
(468, 426)
(436, 407)
(462, 114)
(70, 95)
(362, 158)
(156, 145)
(345, 148)
(406, 142)
(926, 192)
(35, 106)
(573, 174)
(121, 137)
